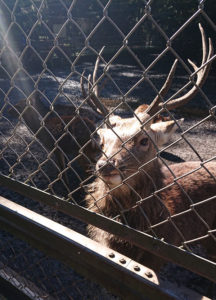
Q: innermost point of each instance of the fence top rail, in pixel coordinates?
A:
(179, 256)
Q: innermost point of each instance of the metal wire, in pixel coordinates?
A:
(58, 146)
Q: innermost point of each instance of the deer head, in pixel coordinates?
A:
(130, 144)
(96, 103)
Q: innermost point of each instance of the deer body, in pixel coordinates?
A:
(64, 131)
(132, 186)
(67, 131)
(198, 185)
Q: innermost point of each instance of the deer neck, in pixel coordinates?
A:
(112, 200)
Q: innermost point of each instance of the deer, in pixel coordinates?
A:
(61, 131)
(69, 132)
(176, 202)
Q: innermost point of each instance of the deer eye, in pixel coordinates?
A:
(144, 142)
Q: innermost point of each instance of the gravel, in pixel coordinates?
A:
(49, 275)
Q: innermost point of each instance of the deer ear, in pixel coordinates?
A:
(163, 131)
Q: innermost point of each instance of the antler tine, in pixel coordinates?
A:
(203, 43)
(94, 93)
(154, 106)
(92, 96)
(82, 85)
(95, 72)
(98, 104)
(201, 74)
(89, 101)
(89, 83)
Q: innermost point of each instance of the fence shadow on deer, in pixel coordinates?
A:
(117, 161)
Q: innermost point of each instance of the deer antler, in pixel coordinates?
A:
(93, 95)
(89, 100)
(202, 74)
(163, 91)
(95, 72)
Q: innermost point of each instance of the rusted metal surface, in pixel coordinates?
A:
(122, 275)
(13, 286)
(86, 256)
(171, 253)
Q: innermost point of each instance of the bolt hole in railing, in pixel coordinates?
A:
(110, 105)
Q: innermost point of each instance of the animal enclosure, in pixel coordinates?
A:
(107, 149)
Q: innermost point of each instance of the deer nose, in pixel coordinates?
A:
(106, 166)
(100, 164)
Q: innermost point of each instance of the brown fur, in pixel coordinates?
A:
(199, 185)
(79, 129)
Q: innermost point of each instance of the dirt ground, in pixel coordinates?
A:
(195, 140)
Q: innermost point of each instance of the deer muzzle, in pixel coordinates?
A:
(108, 172)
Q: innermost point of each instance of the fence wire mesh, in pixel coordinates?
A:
(41, 277)
(77, 79)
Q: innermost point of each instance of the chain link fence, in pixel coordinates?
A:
(39, 276)
(91, 123)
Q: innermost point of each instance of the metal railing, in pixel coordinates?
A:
(51, 116)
